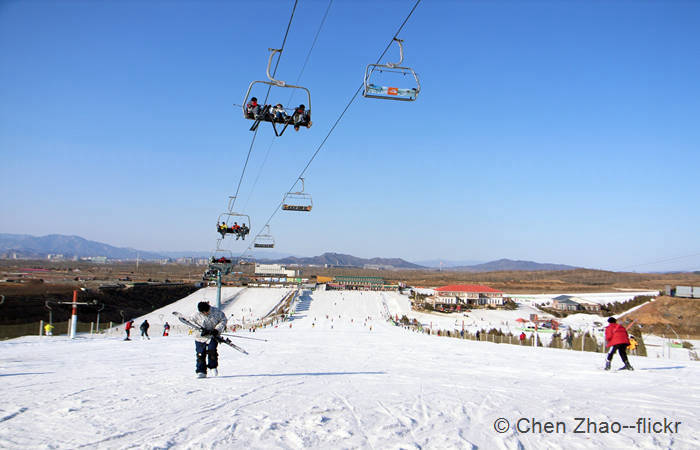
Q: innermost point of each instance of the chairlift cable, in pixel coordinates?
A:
(289, 102)
(355, 95)
(252, 142)
(320, 147)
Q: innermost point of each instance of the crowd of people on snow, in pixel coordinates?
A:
(241, 231)
(301, 117)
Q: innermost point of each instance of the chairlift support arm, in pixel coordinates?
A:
(400, 42)
(269, 63)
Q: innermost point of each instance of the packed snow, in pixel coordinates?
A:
(241, 305)
(338, 375)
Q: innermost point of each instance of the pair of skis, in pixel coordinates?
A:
(220, 339)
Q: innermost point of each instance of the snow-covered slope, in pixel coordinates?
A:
(313, 386)
(241, 305)
(597, 297)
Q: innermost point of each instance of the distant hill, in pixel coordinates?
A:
(341, 260)
(445, 264)
(26, 246)
(511, 265)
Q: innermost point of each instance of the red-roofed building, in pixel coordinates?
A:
(469, 294)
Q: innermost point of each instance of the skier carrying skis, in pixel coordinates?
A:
(213, 323)
(616, 337)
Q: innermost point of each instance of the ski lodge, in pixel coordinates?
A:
(466, 294)
(360, 283)
(571, 303)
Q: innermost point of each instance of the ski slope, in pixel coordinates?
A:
(241, 306)
(332, 383)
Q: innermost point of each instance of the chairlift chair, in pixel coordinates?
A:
(221, 261)
(225, 222)
(372, 90)
(265, 114)
(264, 240)
(297, 201)
(246, 258)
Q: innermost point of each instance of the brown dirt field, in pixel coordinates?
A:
(682, 314)
(62, 276)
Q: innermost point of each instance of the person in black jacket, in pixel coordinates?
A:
(144, 330)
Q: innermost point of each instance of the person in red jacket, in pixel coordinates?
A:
(617, 338)
(127, 328)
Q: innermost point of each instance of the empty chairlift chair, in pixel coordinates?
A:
(404, 93)
(297, 201)
(265, 239)
(297, 117)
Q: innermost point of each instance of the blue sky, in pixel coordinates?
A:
(554, 131)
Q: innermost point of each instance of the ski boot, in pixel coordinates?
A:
(201, 375)
(607, 365)
(627, 366)
(214, 372)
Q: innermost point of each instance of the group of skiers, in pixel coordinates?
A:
(211, 322)
(300, 117)
(241, 231)
(144, 329)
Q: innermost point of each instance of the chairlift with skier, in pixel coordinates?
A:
(276, 115)
(221, 261)
(232, 222)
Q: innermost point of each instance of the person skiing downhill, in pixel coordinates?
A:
(617, 338)
(213, 323)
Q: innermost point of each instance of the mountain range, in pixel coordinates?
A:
(26, 246)
(511, 265)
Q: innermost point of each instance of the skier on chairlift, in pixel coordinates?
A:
(252, 108)
(222, 228)
(301, 117)
(278, 113)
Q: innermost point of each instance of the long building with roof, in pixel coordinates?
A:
(469, 294)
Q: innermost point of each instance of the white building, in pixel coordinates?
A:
(273, 270)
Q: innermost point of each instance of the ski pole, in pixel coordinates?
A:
(243, 337)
